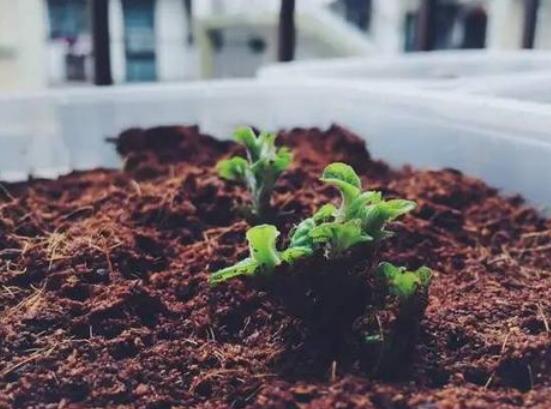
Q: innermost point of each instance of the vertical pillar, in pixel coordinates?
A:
(188, 5)
(425, 35)
(100, 39)
(530, 23)
(287, 35)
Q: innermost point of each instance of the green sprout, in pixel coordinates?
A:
(327, 289)
(402, 283)
(260, 171)
(331, 231)
(360, 218)
(263, 255)
(369, 207)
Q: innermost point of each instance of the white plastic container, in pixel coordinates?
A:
(435, 69)
(529, 86)
(505, 142)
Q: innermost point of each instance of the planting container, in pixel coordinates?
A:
(505, 142)
(528, 86)
(440, 69)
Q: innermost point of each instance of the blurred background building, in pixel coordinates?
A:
(50, 42)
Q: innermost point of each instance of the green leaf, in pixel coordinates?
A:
(246, 267)
(260, 172)
(403, 283)
(343, 177)
(325, 213)
(283, 159)
(339, 237)
(364, 199)
(301, 235)
(233, 169)
(263, 259)
(425, 275)
(398, 207)
(342, 172)
(293, 254)
(262, 245)
(374, 217)
(246, 137)
(266, 141)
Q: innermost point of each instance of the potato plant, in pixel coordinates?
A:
(260, 170)
(361, 218)
(329, 274)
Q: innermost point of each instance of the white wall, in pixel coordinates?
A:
(543, 33)
(388, 23)
(505, 24)
(116, 34)
(174, 59)
(23, 56)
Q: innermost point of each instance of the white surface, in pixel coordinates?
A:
(505, 142)
(434, 68)
(22, 33)
(531, 86)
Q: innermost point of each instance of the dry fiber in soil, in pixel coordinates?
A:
(104, 299)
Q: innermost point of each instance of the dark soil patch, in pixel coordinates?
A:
(104, 299)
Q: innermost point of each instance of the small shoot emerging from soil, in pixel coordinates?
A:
(402, 283)
(259, 172)
(327, 274)
(360, 218)
(263, 255)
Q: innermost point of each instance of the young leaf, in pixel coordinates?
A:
(263, 255)
(374, 217)
(425, 276)
(361, 216)
(233, 169)
(403, 283)
(355, 209)
(339, 237)
(246, 137)
(262, 245)
(246, 267)
(325, 213)
(293, 254)
(301, 235)
(345, 179)
(342, 172)
(263, 258)
(265, 163)
(283, 159)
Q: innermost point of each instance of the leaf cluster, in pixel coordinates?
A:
(360, 218)
(261, 168)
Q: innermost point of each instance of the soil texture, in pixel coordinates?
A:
(105, 301)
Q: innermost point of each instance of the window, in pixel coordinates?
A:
(68, 18)
(139, 35)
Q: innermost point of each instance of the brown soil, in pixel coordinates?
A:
(104, 299)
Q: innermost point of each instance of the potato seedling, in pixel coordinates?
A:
(336, 283)
(361, 218)
(259, 172)
(402, 283)
(263, 258)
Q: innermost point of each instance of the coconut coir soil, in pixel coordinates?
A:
(104, 299)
